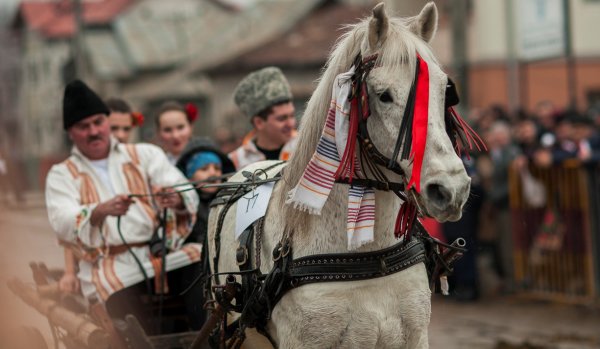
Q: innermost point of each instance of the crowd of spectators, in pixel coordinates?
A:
(545, 137)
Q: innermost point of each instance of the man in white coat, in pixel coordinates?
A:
(100, 205)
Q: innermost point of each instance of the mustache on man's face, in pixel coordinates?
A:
(94, 138)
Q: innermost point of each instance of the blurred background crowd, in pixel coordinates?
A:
(545, 139)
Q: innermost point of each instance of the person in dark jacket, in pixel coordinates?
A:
(464, 281)
(200, 160)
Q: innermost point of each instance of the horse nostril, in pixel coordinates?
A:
(439, 195)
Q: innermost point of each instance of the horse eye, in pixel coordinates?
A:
(386, 97)
(451, 94)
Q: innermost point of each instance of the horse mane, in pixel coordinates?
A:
(397, 52)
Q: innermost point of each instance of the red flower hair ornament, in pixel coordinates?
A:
(138, 118)
(192, 112)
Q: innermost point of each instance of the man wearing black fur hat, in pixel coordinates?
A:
(99, 205)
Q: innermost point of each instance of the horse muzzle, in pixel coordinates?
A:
(445, 199)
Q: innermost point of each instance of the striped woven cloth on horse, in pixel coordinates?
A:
(313, 189)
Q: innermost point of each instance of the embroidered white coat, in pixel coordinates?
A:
(248, 153)
(73, 190)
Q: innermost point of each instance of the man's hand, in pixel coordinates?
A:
(117, 206)
(69, 283)
(168, 198)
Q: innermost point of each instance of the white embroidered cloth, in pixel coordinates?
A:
(313, 189)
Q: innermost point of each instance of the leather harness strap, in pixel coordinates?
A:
(371, 183)
(243, 259)
(356, 266)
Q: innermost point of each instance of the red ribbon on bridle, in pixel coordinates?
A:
(407, 215)
(419, 125)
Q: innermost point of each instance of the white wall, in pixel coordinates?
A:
(487, 31)
(585, 25)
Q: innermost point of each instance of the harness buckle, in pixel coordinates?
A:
(384, 268)
(277, 252)
(285, 250)
(241, 255)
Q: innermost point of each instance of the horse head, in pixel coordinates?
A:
(399, 45)
(394, 48)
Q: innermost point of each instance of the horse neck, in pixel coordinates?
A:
(326, 233)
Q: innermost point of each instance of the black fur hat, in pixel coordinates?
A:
(80, 102)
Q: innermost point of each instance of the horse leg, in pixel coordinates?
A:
(418, 339)
(417, 308)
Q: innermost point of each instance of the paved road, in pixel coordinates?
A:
(496, 323)
(504, 323)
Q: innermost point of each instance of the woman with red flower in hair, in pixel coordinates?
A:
(174, 125)
(122, 119)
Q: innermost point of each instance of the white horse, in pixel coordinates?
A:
(386, 312)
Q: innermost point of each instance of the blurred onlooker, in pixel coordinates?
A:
(586, 138)
(545, 113)
(594, 114)
(564, 146)
(122, 119)
(489, 116)
(526, 136)
(174, 126)
(502, 152)
(225, 139)
(464, 281)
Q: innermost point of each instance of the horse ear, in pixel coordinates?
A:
(378, 26)
(425, 24)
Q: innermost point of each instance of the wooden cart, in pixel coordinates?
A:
(76, 324)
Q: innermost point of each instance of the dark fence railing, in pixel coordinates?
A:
(556, 246)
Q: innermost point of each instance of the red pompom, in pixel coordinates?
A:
(138, 118)
(192, 112)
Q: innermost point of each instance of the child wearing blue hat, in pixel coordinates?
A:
(200, 160)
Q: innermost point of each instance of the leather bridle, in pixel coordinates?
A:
(368, 150)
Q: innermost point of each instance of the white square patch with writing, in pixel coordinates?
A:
(252, 206)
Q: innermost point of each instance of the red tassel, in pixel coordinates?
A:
(405, 220)
(348, 161)
(398, 225)
(471, 136)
